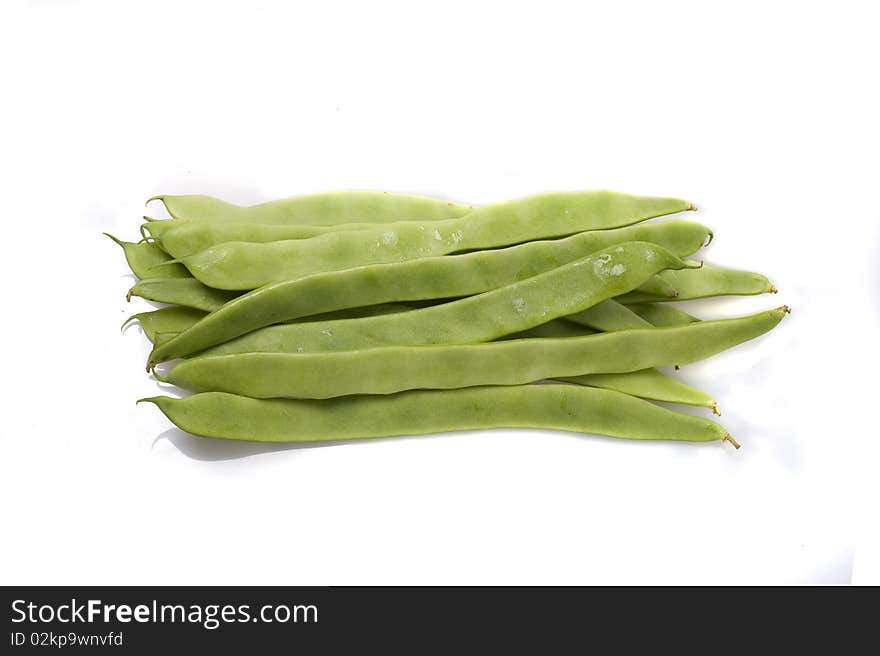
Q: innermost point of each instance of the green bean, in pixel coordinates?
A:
(327, 208)
(171, 321)
(608, 316)
(554, 328)
(561, 407)
(182, 238)
(242, 265)
(648, 384)
(161, 338)
(143, 260)
(165, 320)
(385, 370)
(420, 279)
(658, 287)
(188, 292)
(378, 310)
(567, 289)
(705, 282)
(661, 314)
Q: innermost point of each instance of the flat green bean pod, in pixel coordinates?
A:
(658, 286)
(554, 328)
(560, 407)
(165, 320)
(326, 208)
(162, 325)
(161, 338)
(144, 260)
(662, 314)
(187, 292)
(608, 316)
(182, 238)
(390, 369)
(648, 384)
(567, 289)
(705, 282)
(412, 280)
(244, 265)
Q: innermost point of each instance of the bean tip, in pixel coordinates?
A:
(128, 295)
(117, 241)
(715, 410)
(728, 438)
(128, 321)
(152, 198)
(784, 309)
(710, 236)
(691, 207)
(773, 289)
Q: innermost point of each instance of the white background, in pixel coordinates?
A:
(764, 114)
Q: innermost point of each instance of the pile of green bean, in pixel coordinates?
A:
(363, 314)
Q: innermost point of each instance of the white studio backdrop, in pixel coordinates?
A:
(764, 114)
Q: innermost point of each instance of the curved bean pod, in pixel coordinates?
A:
(608, 316)
(161, 338)
(524, 304)
(658, 287)
(326, 208)
(144, 260)
(705, 282)
(390, 369)
(171, 321)
(242, 265)
(554, 328)
(648, 384)
(165, 320)
(162, 325)
(421, 279)
(188, 292)
(560, 407)
(661, 314)
(182, 238)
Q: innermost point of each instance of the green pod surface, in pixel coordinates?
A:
(662, 314)
(182, 238)
(658, 287)
(187, 292)
(390, 369)
(554, 328)
(608, 316)
(521, 305)
(244, 265)
(165, 320)
(421, 279)
(326, 208)
(560, 407)
(144, 260)
(161, 338)
(647, 384)
(705, 282)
